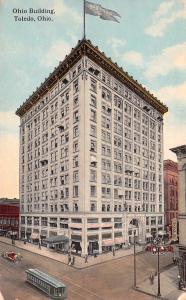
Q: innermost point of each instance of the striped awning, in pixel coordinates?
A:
(119, 240)
(162, 232)
(108, 242)
(148, 235)
(35, 236)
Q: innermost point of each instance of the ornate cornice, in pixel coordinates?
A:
(85, 47)
(170, 165)
(179, 150)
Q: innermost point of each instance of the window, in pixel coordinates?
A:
(76, 101)
(92, 191)
(106, 94)
(75, 86)
(75, 191)
(93, 146)
(76, 116)
(93, 85)
(93, 115)
(75, 131)
(93, 206)
(93, 130)
(75, 146)
(75, 161)
(93, 101)
(75, 176)
(93, 175)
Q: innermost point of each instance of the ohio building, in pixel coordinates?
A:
(91, 155)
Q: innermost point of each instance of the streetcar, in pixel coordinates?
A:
(48, 284)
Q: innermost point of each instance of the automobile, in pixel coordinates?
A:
(12, 256)
(163, 248)
(169, 248)
(149, 247)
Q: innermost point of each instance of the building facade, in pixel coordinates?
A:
(9, 216)
(170, 193)
(91, 155)
(181, 156)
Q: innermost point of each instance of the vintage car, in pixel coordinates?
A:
(12, 256)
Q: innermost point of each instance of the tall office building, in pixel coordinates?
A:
(91, 155)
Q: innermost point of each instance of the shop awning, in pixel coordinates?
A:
(35, 236)
(162, 232)
(108, 242)
(148, 235)
(58, 239)
(119, 240)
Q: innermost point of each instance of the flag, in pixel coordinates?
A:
(103, 13)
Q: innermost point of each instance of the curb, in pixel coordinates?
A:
(75, 267)
(40, 254)
(137, 289)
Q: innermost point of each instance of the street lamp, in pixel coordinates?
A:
(157, 247)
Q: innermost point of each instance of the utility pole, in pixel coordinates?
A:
(134, 260)
(158, 267)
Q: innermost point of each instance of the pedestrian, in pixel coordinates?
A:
(25, 241)
(86, 258)
(69, 258)
(174, 260)
(151, 278)
(73, 260)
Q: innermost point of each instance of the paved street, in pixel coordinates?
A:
(111, 280)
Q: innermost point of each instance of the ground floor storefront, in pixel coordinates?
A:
(93, 234)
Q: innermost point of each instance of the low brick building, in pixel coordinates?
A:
(170, 193)
(9, 217)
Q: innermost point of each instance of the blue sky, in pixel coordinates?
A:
(149, 43)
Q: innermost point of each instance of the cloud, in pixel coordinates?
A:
(9, 154)
(133, 57)
(116, 45)
(129, 57)
(170, 59)
(167, 13)
(172, 93)
(56, 53)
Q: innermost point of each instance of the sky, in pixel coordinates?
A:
(149, 43)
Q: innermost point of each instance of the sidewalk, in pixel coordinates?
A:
(79, 261)
(169, 285)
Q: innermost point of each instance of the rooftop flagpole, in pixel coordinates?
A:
(84, 34)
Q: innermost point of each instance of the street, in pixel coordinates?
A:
(110, 280)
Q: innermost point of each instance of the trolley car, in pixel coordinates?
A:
(49, 285)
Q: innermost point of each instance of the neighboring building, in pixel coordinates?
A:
(181, 156)
(170, 193)
(9, 216)
(91, 155)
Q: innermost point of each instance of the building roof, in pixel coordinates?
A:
(179, 149)
(7, 201)
(169, 164)
(85, 47)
